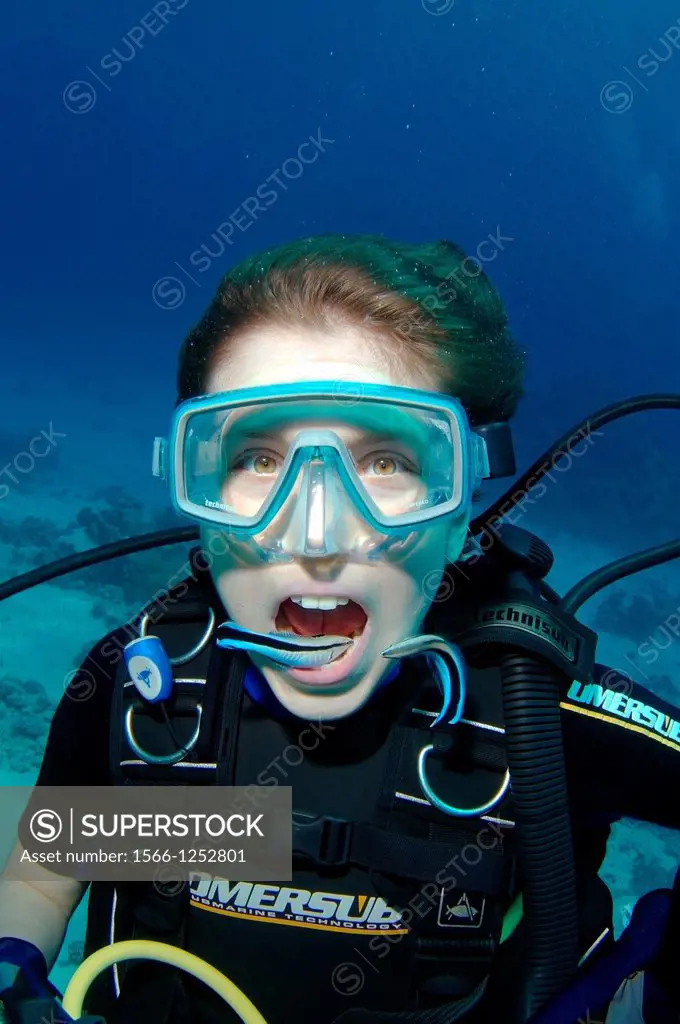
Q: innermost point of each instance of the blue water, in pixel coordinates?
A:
(553, 128)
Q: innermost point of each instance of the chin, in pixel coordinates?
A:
(328, 702)
(373, 605)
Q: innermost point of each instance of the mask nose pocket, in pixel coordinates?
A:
(318, 518)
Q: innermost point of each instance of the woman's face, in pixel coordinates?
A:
(387, 598)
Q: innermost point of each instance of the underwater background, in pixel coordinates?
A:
(133, 134)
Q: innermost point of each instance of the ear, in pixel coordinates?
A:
(455, 541)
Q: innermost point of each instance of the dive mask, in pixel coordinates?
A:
(309, 470)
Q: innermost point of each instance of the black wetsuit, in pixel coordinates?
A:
(298, 948)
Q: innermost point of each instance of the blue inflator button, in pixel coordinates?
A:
(149, 667)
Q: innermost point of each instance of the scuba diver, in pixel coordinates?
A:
(347, 627)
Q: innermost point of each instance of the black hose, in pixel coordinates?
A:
(83, 559)
(533, 729)
(618, 570)
(561, 448)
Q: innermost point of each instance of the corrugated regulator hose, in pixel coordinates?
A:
(545, 853)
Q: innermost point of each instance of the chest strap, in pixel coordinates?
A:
(446, 1014)
(334, 842)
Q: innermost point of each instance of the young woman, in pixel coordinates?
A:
(339, 405)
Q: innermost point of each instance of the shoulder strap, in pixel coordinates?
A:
(209, 683)
(136, 992)
(208, 686)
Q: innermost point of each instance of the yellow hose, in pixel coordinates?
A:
(161, 952)
(143, 949)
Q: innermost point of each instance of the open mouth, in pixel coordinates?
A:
(325, 616)
(321, 616)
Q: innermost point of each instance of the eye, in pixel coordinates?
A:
(385, 465)
(262, 463)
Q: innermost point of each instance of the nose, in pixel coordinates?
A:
(318, 524)
(318, 520)
(316, 502)
(323, 569)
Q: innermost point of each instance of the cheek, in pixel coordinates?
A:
(219, 551)
(427, 555)
(231, 568)
(457, 535)
(415, 578)
(226, 551)
(216, 547)
(241, 594)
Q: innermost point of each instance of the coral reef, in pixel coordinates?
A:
(640, 857)
(25, 716)
(118, 588)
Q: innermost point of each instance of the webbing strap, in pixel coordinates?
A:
(334, 842)
(446, 1014)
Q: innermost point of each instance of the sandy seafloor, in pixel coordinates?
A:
(45, 632)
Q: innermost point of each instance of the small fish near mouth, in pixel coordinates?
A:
(285, 649)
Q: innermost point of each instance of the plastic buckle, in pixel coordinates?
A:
(326, 841)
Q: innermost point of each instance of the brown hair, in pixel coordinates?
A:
(429, 311)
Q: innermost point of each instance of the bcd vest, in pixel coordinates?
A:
(359, 813)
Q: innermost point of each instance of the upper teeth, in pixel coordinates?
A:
(324, 604)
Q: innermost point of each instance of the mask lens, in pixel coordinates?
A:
(400, 460)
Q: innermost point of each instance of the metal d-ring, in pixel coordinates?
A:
(456, 812)
(173, 758)
(450, 670)
(182, 659)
